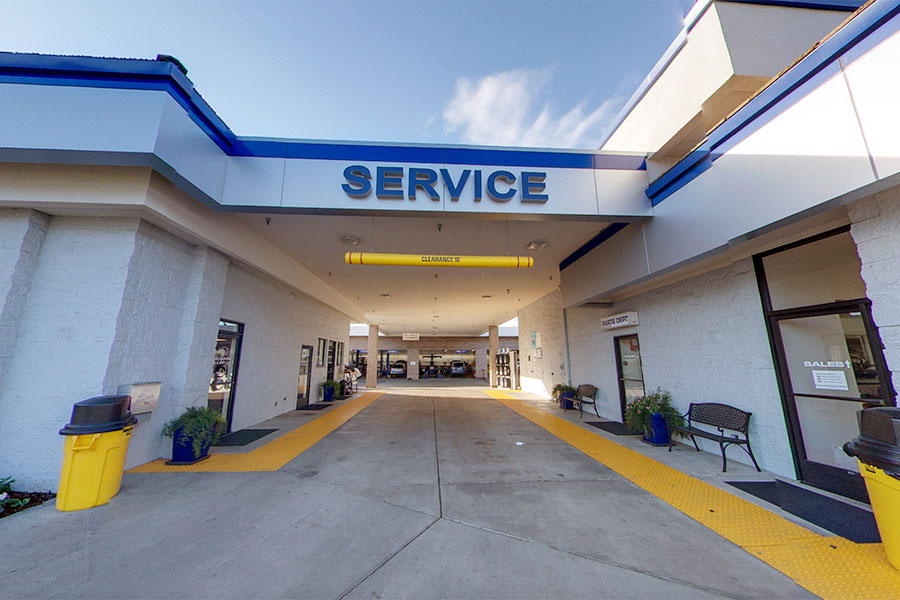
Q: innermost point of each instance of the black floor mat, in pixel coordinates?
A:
(838, 517)
(317, 406)
(613, 427)
(242, 437)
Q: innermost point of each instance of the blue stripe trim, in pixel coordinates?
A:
(592, 243)
(775, 99)
(845, 5)
(139, 74)
(676, 172)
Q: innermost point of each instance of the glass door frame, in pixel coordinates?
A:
(238, 336)
(309, 369)
(820, 475)
(620, 374)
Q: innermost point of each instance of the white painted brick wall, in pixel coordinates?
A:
(150, 317)
(22, 233)
(63, 347)
(876, 230)
(544, 316)
(703, 339)
(277, 322)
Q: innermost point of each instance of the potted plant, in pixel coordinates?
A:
(192, 434)
(565, 395)
(331, 390)
(651, 414)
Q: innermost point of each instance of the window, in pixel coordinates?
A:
(320, 354)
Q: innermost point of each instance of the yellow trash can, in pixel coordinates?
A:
(94, 452)
(884, 494)
(878, 451)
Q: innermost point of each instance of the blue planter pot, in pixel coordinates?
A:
(567, 400)
(183, 450)
(328, 394)
(659, 433)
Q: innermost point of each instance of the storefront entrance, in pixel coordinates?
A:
(304, 377)
(827, 351)
(630, 373)
(227, 357)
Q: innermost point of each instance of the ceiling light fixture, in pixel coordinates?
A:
(485, 297)
(385, 295)
(537, 245)
(350, 240)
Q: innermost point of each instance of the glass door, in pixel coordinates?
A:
(630, 373)
(834, 367)
(329, 361)
(303, 379)
(226, 358)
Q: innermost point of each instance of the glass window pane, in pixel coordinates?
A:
(830, 355)
(816, 273)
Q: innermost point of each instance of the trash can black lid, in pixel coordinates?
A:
(881, 423)
(878, 443)
(99, 415)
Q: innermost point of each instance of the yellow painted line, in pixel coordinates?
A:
(275, 454)
(829, 566)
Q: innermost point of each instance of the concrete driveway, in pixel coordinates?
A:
(427, 493)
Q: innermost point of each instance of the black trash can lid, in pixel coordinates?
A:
(878, 443)
(99, 415)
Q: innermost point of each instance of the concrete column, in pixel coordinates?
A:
(494, 348)
(372, 360)
(481, 364)
(198, 329)
(412, 356)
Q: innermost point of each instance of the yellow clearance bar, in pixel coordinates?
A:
(438, 260)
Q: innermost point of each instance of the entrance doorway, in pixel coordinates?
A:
(303, 379)
(329, 361)
(227, 357)
(628, 365)
(828, 354)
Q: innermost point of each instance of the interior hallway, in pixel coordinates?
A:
(427, 493)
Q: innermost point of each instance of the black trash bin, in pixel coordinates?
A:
(877, 448)
(96, 443)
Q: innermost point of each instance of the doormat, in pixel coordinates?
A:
(613, 427)
(316, 406)
(855, 524)
(243, 437)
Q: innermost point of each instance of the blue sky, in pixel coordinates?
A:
(550, 73)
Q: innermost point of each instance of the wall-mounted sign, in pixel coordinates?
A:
(410, 337)
(621, 320)
(398, 182)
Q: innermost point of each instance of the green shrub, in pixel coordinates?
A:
(562, 389)
(201, 425)
(330, 383)
(5, 500)
(639, 412)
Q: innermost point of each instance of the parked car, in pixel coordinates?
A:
(457, 368)
(398, 369)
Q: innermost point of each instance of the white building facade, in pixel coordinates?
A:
(746, 253)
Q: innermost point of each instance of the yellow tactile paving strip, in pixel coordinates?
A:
(829, 566)
(275, 454)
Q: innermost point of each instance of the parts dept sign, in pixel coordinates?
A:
(334, 186)
(627, 319)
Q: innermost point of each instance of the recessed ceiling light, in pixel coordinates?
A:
(485, 297)
(385, 295)
(537, 245)
(350, 240)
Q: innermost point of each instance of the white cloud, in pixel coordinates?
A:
(502, 109)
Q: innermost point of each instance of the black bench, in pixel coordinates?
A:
(722, 417)
(586, 394)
